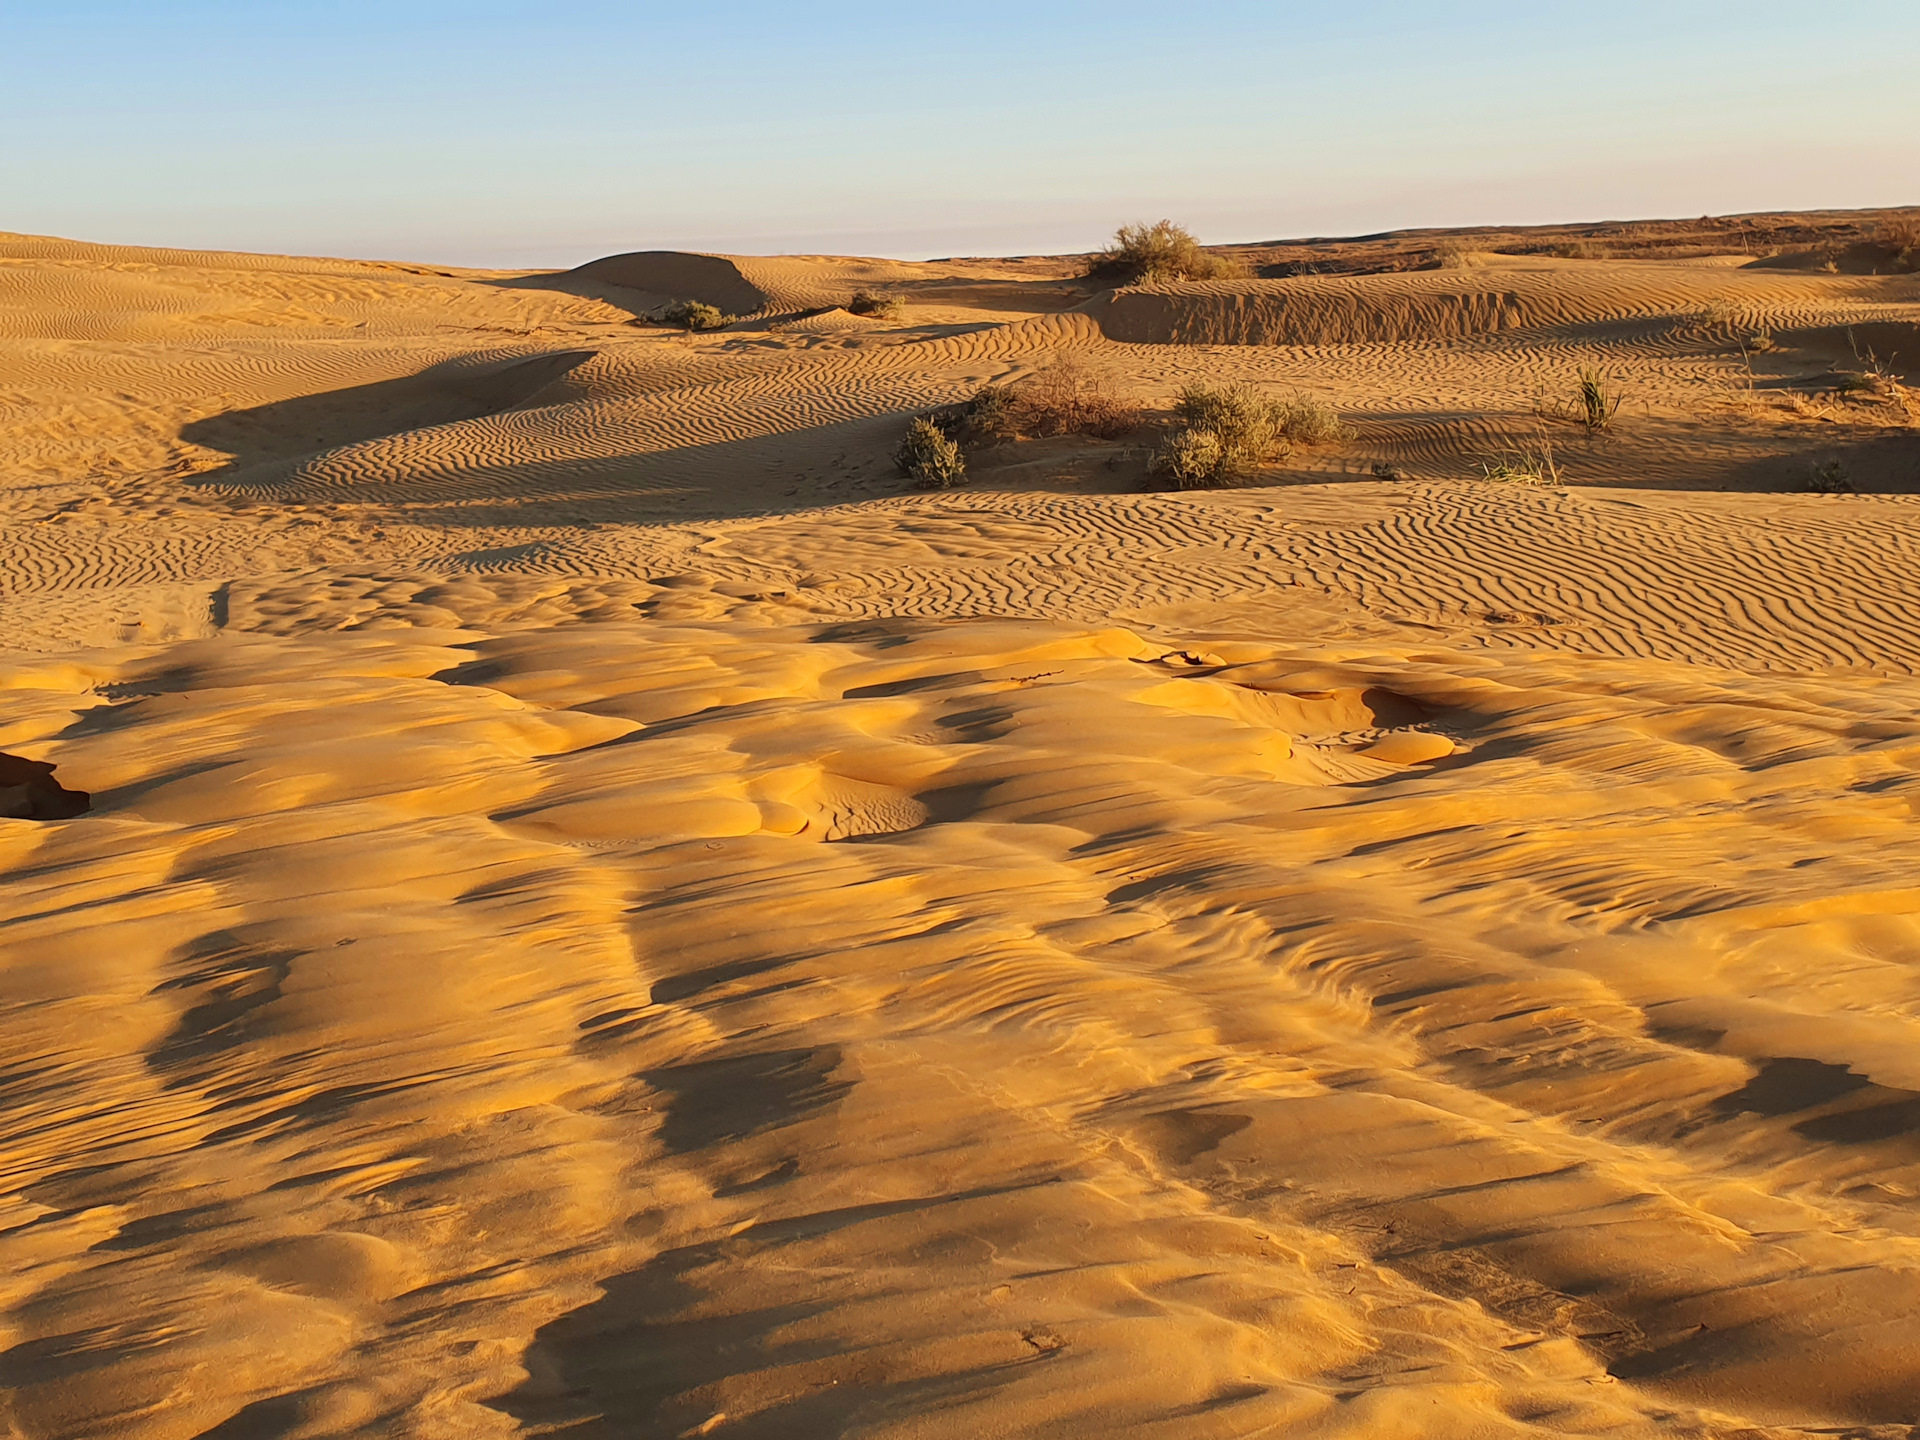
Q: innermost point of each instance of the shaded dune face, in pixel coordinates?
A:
(605, 913)
(635, 1026)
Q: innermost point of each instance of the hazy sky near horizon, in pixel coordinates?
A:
(496, 132)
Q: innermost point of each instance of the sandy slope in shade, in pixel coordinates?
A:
(605, 916)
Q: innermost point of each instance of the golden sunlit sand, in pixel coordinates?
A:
(605, 911)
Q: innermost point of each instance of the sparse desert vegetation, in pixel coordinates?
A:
(875, 307)
(1899, 241)
(694, 315)
(1225, 432)
(1525, 462)
(1829, 477)
(1160, 251)
(1596, 399)
(1064, 397)
(931, 456)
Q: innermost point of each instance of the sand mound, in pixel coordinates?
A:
(663, 276)
(1446, 305)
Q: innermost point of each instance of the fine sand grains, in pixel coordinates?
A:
(605, 914)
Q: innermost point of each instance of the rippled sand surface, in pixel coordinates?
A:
(605, 914)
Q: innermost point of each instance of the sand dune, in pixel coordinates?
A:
(604, 912)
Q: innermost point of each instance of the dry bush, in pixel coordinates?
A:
(1900, 241)
(1065, 398)
(876, 307)
(1830, 478)
(1223, 432)
(1308, 420)
(1160, 251)
(931, 456)
(694, 315)
(1190, 460)
(1453, 256)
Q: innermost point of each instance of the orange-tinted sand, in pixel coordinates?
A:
(607, 913)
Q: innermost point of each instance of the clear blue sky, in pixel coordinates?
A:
(507, 133)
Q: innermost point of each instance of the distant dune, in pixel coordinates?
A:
(607, 911)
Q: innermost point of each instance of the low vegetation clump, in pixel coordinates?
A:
(1527, 463)
(1454, 256)
(694, 315)
(1829, 478)
(1307, 420)
(931, 456)
(1596, 399)
(1222, 432)
(1191, 460)
(1584, 250)
(1064, 398)
(1899, 241)
(1160, 251)
(875, 307)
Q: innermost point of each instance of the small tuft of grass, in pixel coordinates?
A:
(1596, 400)
(1829, 478)
(1160, 251)
(875, 307)
(1856, 382)
(931, 456)
(1717, 315)
(1526, 463)
(694, 315)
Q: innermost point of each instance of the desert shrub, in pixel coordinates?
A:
(1829, 478)
(1584, 250)
(1596, 401)
(1066, 398)
(1453, 256)
(694, 315)
(877, 307)
(1526, 463)
(1160, 251)
(1307, 420)
(931, 456)
(1900, 241)
(1190, 459)
(1247, 423)
(1222, 432)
